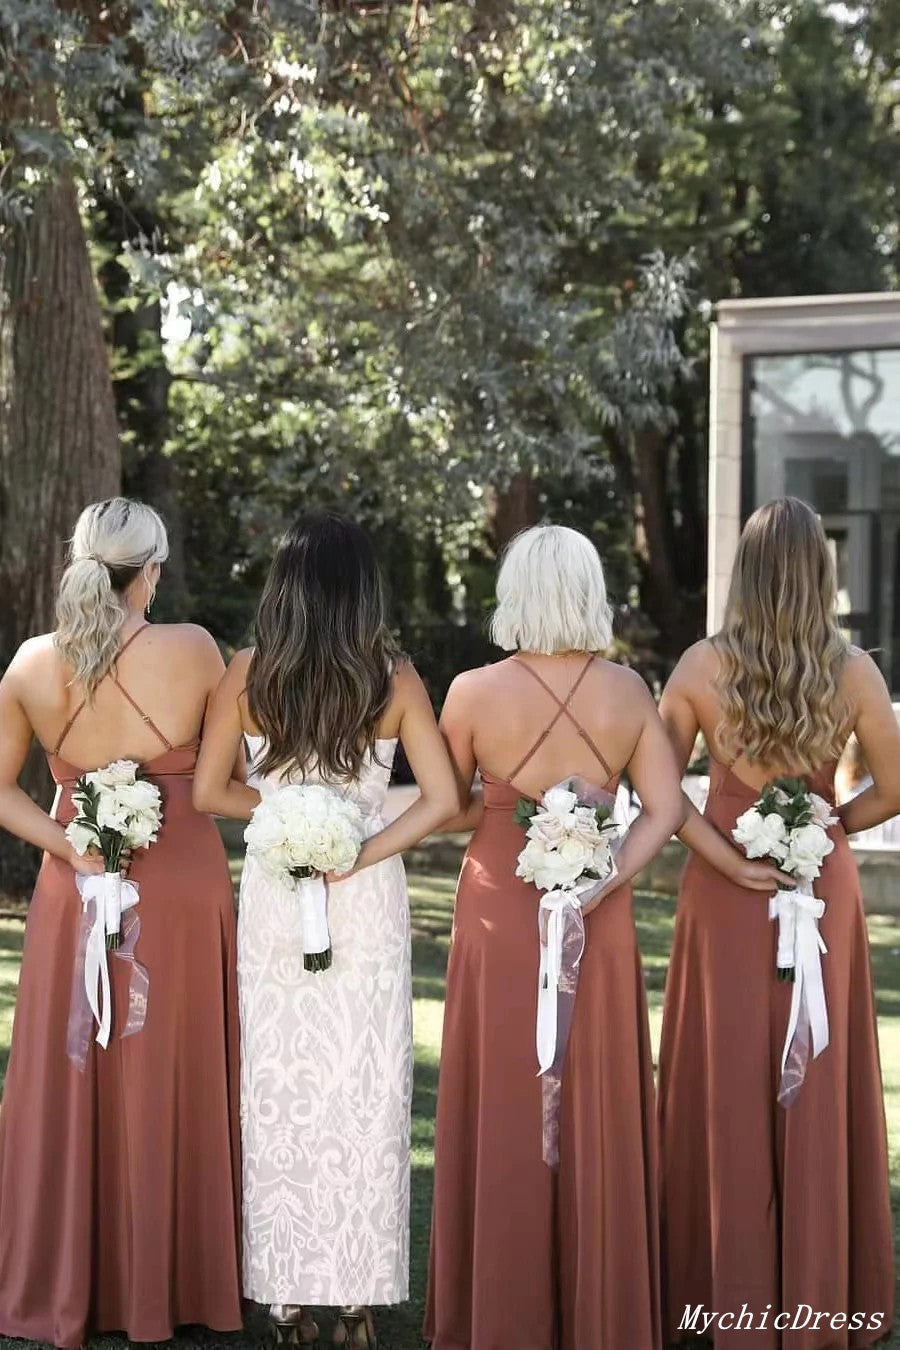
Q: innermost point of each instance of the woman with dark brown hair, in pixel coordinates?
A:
(775, 1219)
(326, 1075)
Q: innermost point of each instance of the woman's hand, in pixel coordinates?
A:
(759, 875)
(334, 878)
(88, 864)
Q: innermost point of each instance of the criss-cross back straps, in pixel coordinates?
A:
(563, 710)
(114, 676)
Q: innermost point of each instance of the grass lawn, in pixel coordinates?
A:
(432, 899)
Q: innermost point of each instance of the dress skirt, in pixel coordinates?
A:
(765, 1206)
(521, 1255)
(120, 1185)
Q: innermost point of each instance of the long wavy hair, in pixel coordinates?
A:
(320, 675)
(114, 541)
(781, 651)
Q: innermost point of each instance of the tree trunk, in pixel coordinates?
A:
(661, 596)
(514, 509)
(59, 447)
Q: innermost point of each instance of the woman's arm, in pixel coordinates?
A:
(430, 763)
(456, 728)
(216, 789)
(879, 735)
(654, 773)
(18, 813)
(679, 717)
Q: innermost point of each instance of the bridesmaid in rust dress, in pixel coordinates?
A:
(523, 1256)
(120, 1183)
(769, 1208)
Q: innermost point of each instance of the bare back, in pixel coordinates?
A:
(154, 700)
(694, 685)
(534, 719)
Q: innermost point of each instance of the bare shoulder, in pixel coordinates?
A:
(699, 665)
(239, 668)
(407, 686)
(471, 687)
(35, 659)
(191, 637)
(862, 678)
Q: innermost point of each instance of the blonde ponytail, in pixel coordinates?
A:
(113, 542)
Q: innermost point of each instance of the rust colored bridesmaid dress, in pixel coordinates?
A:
(523, 1258)
(764, 1205)
(120, 1186)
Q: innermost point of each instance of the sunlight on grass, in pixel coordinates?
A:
(432, 909)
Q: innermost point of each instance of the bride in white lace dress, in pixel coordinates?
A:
(326, 1072)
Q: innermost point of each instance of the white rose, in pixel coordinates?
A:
(81, 837)
(139, 796)
(761, 836)
(117, 774)
(265, 830)
(548, 829)
(112, 814)
(809, 847)
(584, 825)
(531, 857)
(602, 860)
(142, 833)
(559, 802)
(821, 811)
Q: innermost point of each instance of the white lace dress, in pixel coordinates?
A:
(326, 1081)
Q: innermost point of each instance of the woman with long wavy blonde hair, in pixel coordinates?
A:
(775, 1220)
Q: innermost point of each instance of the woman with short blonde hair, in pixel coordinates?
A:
(522, 1254)
(764, 1205)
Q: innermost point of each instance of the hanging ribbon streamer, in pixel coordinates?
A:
(562, 936)
(800, 948)
(108, 903)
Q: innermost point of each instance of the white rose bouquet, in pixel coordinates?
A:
(119, 810)
(789, 825)
(568, 854)
(297, 834)
(568, 840)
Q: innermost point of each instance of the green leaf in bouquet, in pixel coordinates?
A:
(526, 809)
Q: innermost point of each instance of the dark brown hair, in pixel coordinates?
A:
(320, 675)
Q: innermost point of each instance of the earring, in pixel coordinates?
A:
(150, 599)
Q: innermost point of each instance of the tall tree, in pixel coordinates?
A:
(59, 445)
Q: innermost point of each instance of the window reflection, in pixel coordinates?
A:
(826, 427)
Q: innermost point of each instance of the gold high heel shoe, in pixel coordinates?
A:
(355, 1329)
(292, 1325)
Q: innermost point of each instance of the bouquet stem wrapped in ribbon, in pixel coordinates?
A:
(788, 824)
(118, 810)
(569, 855)
(297, 834)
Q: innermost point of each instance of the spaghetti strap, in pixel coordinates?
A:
(68, 727)
(116, 681)
(563, 710)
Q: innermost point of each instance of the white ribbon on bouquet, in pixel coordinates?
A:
(106, 900)
(312, 898)
(800, 948)
(562, 942)
(562, 947)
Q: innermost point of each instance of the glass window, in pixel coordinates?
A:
(825, 426)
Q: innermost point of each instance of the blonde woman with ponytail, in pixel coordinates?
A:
(767, 1209)
(119, 1182)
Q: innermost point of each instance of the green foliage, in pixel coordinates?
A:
(397, 257)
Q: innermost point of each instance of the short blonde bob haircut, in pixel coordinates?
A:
(551, 594)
